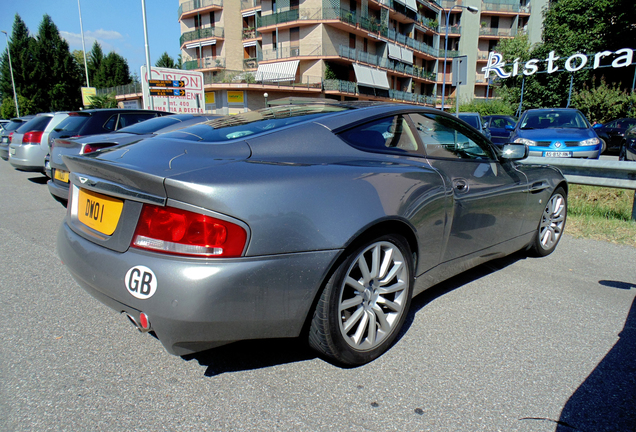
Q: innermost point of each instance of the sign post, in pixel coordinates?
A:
(460, 76)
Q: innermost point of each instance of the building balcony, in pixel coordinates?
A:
(511, 8)
(497, 32)
(202, 33)
(482, 55)
(205, 63)
(250, 33)
(250, 63)
(250, 4)
(350, 87)
(385, 63)
(447, 4)
(289, 52)
(452, 30)
(191, 8)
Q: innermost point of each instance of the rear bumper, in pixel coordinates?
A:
(27, 157)
(202, 303)
(57, 188)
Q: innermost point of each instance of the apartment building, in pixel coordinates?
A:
(252, 51)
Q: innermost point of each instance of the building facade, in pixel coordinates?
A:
(253, 50)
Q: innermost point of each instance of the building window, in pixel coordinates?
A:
(494, 22)
(294, 41)
(212, 20)
(366, 45)
(352, 41)
(293, 4)
(353, 4)
(197, 22)
(274, 44)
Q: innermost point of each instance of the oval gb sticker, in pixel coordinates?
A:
(141, 282)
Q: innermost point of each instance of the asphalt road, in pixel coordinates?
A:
(519, 344)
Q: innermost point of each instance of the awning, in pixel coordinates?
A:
(407, 55)
(370, 77)
(411, 4)
(394, 52)
(250, 13)
(275, 72)
(402, 2)
(249, 44)
(201, 44)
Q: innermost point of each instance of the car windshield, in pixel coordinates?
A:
(471, 120)
(554, 120)
(249, 123)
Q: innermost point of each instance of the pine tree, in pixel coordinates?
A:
(165, 61)
(20, 45)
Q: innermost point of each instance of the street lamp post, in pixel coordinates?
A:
(15, 95)
(470, 9)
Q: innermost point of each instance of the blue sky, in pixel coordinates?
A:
(116, 24)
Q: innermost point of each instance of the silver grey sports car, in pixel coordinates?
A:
(328, 217)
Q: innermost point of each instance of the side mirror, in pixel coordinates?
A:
(509, 127)
(514, 152)
(597, 125)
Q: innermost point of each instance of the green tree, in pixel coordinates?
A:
(54, 70)
(602, 103)
(103, 101)
(20, 46)
(7, 109)
(165, 61)
(108, 71)
(95, 57)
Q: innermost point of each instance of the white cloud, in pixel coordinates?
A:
(75, 40)
(104, 34)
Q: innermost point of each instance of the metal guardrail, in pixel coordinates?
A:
(592, 172)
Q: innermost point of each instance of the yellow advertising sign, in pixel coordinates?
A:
(235, 97)
(86, 93)
(209, 98)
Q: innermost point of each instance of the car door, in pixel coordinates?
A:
(489, 197)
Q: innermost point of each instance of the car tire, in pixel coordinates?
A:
(603, 146)
(364, 303)
(622, 153)
(552, 224)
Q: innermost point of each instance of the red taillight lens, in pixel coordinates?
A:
(180, 232)
(90, 148)
(10, 137)
(32, 137)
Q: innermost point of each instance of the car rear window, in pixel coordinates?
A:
(13, 125)
(149, 126)
(471, 120)
(241, 125)
(36, 124)
(72, 123)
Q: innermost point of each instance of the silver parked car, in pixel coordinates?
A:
(7, 133)
(29, 144)
(327, 217)
(58, 185)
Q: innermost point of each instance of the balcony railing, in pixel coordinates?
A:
(503, 32)
(431, 24)
(250, 33)
(250, 63)
(500, 7)
(454, 29)
(249, 4)
(482, 55)
(205, 63)
(383, 62)
(246, 77)
(352, 87)
(447, 4)
(197, 4)
(287, 52)
(202, 33)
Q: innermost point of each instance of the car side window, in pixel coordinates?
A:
(445, 137)
(111, 123)
(132, 118)
(390, 135)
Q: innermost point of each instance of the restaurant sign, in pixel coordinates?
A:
(624, 57)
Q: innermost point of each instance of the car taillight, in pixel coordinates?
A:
(175, 231)
(10, 137)
(33, 137)
(90, 148)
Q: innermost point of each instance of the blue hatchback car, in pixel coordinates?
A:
(557, 132)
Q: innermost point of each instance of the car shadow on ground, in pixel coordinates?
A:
(606, 400)
(257, 354)
(41, 179)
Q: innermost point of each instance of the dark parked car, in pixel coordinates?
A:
(5, 135)
(612, 134)
(58, 185)
(100, 121)
(327, 217)
(628, 147)
(557, 132)
(474, 119)
(500, 127)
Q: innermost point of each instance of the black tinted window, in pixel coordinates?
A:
(35, 124)
(390, 134)
(471, 120)
(11, 126)
(150, 126)
(132, 118)
(71, 124)
(444, 137)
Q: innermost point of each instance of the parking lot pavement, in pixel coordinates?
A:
(518, 344)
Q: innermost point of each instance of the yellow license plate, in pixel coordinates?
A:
(61, 175)
(99, 212)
